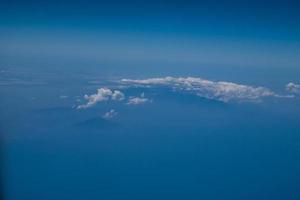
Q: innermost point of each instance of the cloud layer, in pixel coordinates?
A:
(220, 90)
(103, 94)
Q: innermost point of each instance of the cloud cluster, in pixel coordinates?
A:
(217, 90)
(110, 114)
(138, 100)
(293, 88)
(103, 94)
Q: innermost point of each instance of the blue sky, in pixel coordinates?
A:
(247, 33)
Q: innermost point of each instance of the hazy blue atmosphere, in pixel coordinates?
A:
(150, 100)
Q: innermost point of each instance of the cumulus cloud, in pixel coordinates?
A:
(217, 90)
(117, 95)
(138, 100)
(293, 88)
(103, 94)
(110, 114)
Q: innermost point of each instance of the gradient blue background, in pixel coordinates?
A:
(179, 146)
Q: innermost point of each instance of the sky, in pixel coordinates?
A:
(150, 99)
(239, 33)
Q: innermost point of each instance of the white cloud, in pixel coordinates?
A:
(293, 88)
(111, 114)
(103, 94)
(218, 90)
(138, 100)
(117, 95)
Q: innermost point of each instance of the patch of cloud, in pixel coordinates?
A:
(138, 100)
(117, 96)
(217, 90)
(103, 94)
(110, 114)
(293, 88)
(63, 96)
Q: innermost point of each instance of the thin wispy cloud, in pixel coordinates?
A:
(63, 96)
(110, 114)
(138, 100)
